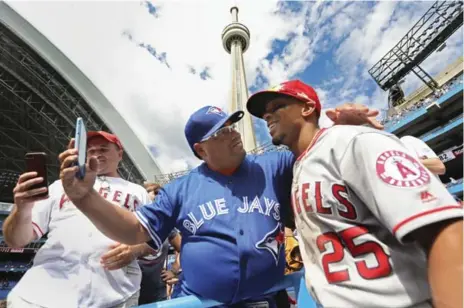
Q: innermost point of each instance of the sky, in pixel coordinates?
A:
(158, 62)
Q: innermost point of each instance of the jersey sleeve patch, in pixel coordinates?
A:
(399, 169)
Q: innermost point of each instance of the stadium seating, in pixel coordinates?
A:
(410, 113)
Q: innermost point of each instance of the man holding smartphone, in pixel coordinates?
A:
(77, 266)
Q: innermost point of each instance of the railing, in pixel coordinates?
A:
(456, 121)
(295, 280)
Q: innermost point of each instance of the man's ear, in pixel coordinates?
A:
(199, 150)
(120, 153)
(308, 109)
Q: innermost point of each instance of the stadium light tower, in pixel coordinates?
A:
(235, 40)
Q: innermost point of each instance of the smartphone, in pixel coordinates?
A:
(80, 143)
(37, 162)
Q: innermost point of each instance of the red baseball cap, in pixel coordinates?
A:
(294, 88)
(109, 137)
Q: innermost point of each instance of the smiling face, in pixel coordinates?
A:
(284, 118)
(108, 154)
(222, 148)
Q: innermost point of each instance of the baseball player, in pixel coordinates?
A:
(377, 229)
(230, 211)
(77, 266)
(425, 154)
(153, 287)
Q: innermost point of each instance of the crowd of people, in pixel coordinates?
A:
(232, 219)
(402, 112)
(14, 266)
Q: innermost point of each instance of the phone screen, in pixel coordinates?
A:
(81, 146)
(37, 162)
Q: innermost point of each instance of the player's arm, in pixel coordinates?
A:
(285, 176)
(115, 222)
(412, 204)
(153, 221)
(30, 215)
(443, 243)
(427, 156)
(435, 165)
(17, 228)
(354, 114)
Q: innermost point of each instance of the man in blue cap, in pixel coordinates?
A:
(229, 210)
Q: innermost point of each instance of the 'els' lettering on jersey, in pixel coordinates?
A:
(344, 207)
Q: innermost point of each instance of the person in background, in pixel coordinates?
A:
(75, 252)
(425, 154)
(292, 253)
(153, 286)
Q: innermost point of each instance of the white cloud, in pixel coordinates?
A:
(371, 30)
(154, 99)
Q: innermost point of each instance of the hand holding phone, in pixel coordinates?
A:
(37, 162)
(80, 144)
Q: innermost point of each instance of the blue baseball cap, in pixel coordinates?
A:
(206, 121)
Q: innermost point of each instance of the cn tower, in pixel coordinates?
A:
(235, 40)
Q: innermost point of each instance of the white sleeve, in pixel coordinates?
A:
(419, 147)
(394, 185)
(41, 211)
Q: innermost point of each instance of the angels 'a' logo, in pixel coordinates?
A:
(273, 241)
(400, 169)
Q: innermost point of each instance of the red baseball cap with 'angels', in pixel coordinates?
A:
(294, 88)
(109, 137)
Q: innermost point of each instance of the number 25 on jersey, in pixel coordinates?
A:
(343, 241)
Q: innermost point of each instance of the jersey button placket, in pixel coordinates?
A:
(242, 241)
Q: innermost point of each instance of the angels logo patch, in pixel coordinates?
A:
(273, 242)
(400, 169)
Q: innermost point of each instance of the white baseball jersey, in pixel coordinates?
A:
(419, 148)
(357, 193)
(67, 270)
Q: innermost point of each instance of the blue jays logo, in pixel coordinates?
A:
(273, 242)
(215, 110)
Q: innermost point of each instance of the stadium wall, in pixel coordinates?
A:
(136, 150)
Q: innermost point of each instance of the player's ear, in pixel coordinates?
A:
(308, 109)
(199, 149)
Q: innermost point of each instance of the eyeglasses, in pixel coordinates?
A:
(222, 131)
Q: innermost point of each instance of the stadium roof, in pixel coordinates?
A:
(41, 94)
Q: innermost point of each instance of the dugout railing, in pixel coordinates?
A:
(295, 281)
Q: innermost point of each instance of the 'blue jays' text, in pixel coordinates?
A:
(210, 210)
